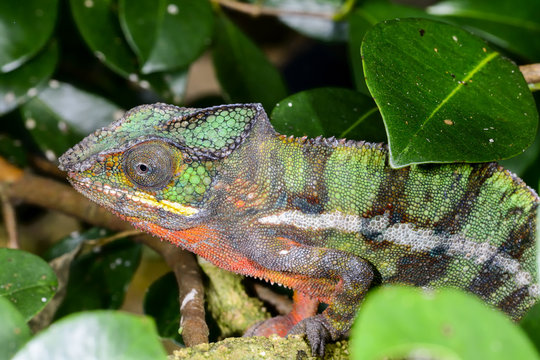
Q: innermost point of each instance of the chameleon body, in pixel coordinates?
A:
(328, 218)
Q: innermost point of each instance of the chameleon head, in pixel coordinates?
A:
(157, 162)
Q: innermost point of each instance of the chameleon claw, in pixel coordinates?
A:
(318, 333)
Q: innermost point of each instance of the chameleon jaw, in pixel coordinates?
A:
(86, 186)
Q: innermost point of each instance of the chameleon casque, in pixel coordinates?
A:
(328, 218)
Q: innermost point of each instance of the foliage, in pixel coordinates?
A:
(96, 335)
(26, 280)
(441, 94)
(400, 322)
(14, 331)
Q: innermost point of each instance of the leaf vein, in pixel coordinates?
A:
(459, 86)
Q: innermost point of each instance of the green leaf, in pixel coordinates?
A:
(320, 25)
(14, 332)
(26, 280)
(244, 73)
(531, 324)
(25, 27)
(13, 151)
(444, 95)
(99, 335)
(364, 18)
(61, 115)
(72, 241)
(161, 302)
(99, 26)
(99, 280)
(24, 82)
(166, 35)
(512, 26)
(405, 322)
(329, 112)
(170, 85)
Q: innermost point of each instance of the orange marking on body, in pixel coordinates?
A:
(240, 203)
(196, 234)
(288, 242)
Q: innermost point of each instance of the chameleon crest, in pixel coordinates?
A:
(328, 218)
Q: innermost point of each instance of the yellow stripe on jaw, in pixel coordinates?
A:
(180, 209)
(171, 206)
(139, 197)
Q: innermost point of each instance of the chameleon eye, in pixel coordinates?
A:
(150, 165)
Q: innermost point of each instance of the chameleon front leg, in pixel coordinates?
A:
(303, 307)
(334, 277)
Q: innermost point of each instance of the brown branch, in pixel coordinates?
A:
(8, 213)
(24, 187)
(50, 194)
(190, 286)
(45, 167)
(258, 10)
(531, 73)
(280, 302)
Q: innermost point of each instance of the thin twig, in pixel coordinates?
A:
(280, 302)
(258, 10)
(10, 221)
(108, 239)
(46, 167)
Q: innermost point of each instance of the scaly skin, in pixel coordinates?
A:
(327, 218)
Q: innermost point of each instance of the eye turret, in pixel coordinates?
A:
(150, 165)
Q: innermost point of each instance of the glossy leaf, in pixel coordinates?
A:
(72, 241)
(26, 280)
(531, 324)
(364, 18)
(26, 81)
(14, 332)
(170, 85)
(444, 95)
(61, 115)
(166, 35)
(401, 322)
(320, 24)
(25, 27)
(512, 26)
(99, 280)
(177, 83)
(244, 73)
(329, 112)
(161, 302)
(99, 335)
(99, 26)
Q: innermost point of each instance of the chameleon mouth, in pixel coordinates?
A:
(88, 187)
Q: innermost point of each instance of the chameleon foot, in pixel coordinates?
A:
(318, 332)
